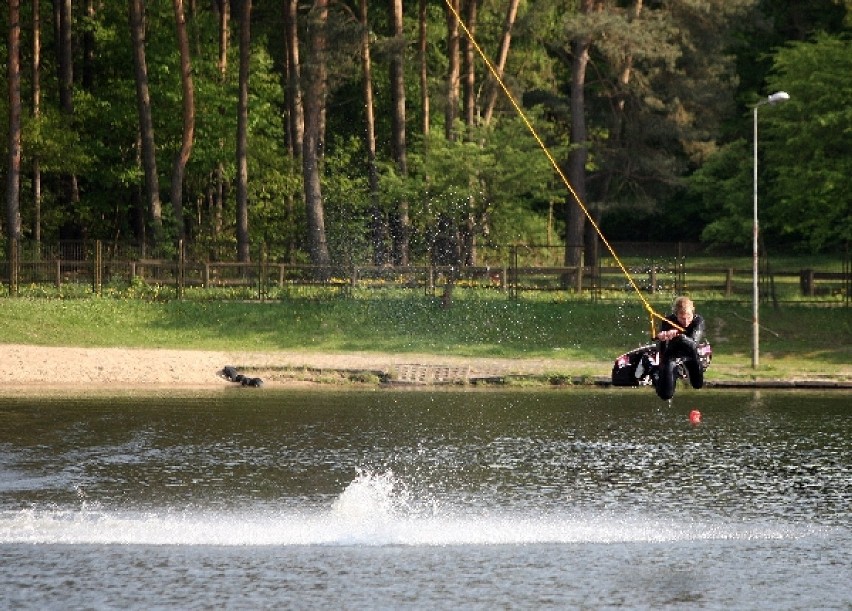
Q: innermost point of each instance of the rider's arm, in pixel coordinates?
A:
(697, 333)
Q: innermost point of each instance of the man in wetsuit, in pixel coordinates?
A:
(678, 346)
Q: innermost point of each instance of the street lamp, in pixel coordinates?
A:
(775, 98)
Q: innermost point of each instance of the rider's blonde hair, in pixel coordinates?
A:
(684, 304)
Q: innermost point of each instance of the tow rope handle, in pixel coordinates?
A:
(655, 315)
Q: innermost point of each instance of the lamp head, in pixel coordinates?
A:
(778, 96)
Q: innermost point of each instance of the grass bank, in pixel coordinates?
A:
(795, 340)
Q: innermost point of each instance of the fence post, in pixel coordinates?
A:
(806, 281)
(597, 280)
(97, 268)
(729, 282)
(513, 278)
(261, 281)
(181, 270)
(13, 267)
(580, 268)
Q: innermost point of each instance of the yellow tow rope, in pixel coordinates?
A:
(653, 314)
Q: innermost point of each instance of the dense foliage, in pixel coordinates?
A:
(668, 97)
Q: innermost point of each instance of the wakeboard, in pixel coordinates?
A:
(639, 366)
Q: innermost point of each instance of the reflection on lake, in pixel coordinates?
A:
(427, 499)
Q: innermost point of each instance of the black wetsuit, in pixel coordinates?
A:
(684, 347)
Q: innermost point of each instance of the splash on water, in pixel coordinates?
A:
(375, 509)
(372, 496)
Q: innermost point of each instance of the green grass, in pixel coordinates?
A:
(796, 339)
(777, 261)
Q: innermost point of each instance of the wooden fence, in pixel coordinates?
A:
(265, 279)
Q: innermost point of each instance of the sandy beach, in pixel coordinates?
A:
(33, 368)
(49, 369)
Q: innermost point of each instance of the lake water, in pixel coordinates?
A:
(430, 499)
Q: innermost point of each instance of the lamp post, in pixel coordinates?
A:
(775, 98)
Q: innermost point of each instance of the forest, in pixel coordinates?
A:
(430, 130)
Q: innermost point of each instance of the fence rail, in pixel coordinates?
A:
(264, 279)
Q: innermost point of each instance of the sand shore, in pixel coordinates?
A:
(48, 369)
(34, 368)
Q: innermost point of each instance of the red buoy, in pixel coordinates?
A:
(695, 416)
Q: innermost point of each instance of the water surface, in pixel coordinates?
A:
(389, 499)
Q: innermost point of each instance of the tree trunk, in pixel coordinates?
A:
(146, 127)
(377, 218)
(88, 71)
(65, 64)
(220, 186)
(453, 71)
(295, 110)
(243, 245)
(578, 154)
(616, 139)
(296, 122)
(492, 87)
(13, 75)
(424, 73)
(188, 136)
(36, 115)
(398, 141)
(224, 9)
(469, 105)
(138, 202)
(314, 105)
(468, 57)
